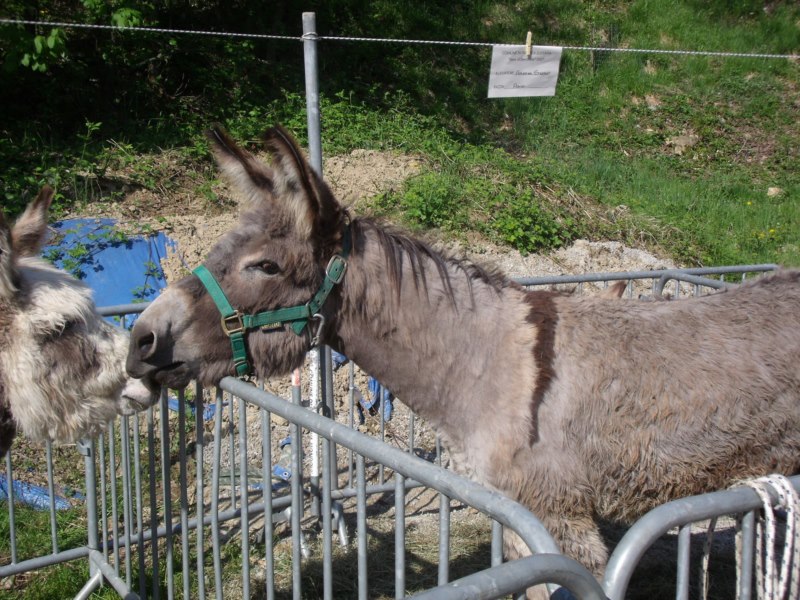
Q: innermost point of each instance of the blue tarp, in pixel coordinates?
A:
(35, 496)
(120, 269)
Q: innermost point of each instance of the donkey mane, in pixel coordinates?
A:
(398, 246)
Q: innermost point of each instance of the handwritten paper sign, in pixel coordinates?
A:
(513, 74)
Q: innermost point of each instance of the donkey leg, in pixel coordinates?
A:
(548, 483)
(578, 538)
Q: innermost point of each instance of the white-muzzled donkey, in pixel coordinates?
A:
(62, 366)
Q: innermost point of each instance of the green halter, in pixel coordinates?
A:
(235, 324)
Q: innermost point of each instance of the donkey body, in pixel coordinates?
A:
(62, 367)
(580, 408)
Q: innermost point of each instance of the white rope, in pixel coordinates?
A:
(334, 38)
(773, 583)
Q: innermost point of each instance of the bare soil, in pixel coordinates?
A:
(195, 223)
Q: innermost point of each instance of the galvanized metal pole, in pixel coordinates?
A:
(315, 155)
(86, 448)
(312, 90)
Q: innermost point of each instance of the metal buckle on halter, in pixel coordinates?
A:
(232, 324)
(336, 259)
(315, 339)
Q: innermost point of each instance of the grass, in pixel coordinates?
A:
(505, 168)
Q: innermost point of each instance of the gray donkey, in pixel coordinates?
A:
(62, 367)
(583, 409)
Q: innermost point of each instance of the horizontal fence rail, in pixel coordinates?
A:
(184, 500)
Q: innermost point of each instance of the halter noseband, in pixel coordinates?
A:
(235, 324)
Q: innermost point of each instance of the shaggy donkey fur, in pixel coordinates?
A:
(62, 367)
(580, 408)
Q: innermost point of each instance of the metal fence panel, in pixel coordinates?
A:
(198, 512)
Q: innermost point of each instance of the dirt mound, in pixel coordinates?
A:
(366, 173)
(195, 225)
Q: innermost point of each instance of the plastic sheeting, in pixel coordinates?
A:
(35, 496)
(120, 269)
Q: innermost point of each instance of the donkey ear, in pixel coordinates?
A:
(7, 276)
(30, 228)
(316, 210)
(289, 186)
(251, 177)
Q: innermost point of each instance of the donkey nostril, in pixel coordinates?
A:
(146, 345)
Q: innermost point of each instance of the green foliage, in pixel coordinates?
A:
(607, 136)
(35, 51)
(431, 200)
(524, 224)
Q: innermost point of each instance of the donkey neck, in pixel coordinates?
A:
(433, 330)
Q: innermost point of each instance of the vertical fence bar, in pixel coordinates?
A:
(379, 405)
(330, 408)
(748, 555)
(184, 492)
(137, 478)
(266, 495)
(232, 452)
(86, 447)
(215, 468)
(153, 492)
(101, 451)
(327, 528)
(497, 543)
(351, 393)
(399, 536)
(112, 481)
(51, 488)
(200, 444)
(361, 526)
(297, 492)
(684, 554)
(444, 539)
(244, 498)
(166, 481)
(11, 520)
(166, 476)
(127, 496)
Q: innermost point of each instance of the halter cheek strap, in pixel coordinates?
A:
(235, 324)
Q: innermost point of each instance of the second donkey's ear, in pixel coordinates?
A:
(7, 285)
(30, 229)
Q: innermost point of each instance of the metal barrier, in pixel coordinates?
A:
(743, 502)
(159, 524)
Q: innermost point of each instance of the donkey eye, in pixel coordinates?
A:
(268, 267)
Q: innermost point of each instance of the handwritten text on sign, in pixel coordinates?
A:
(513, 74)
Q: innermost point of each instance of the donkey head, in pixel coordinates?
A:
(62, 367)
(289, 227)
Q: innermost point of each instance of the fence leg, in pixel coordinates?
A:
(90, 586)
